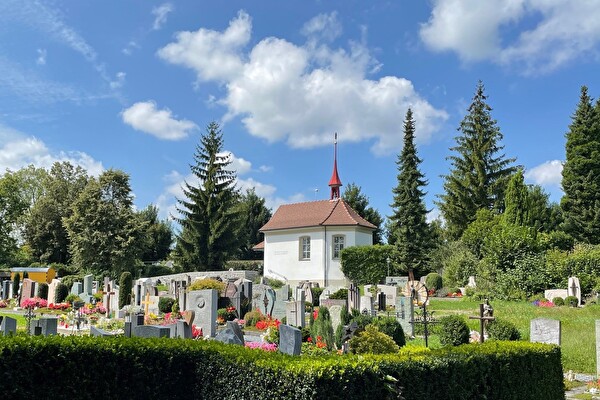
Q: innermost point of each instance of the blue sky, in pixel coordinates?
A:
(132, 85)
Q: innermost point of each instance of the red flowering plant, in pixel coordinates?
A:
(314, 348)
(59, 306)
(267, 323)
(543, 303)
(34, 302)
(196, 332)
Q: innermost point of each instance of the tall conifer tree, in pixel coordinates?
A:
(480, 172)
(210, 212)
(408, 221)
(516, 201)
(581, 173)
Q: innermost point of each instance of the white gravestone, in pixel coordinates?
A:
(545, 330)
(551, 294)
(574, 289)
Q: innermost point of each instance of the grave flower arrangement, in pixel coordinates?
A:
(3, 304)
(59, 306)
(543, 303)
(594, 386)
(261, 346)
(267, 323)
(196, 332)
(34, 302)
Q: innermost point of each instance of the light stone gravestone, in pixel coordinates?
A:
(403, 314)
(295, 310)
(574, 288)
(390, 293)
(26, 290)
(308, 292)
(270, 293)
(52, 291)
(471, 282)
(184, 330)
(8, 326)
(204, 304)
(258, 295)
(77, 288)
(290, 340)
(98, 332)
(545, 330)
(366, 305)
(553, 293)
(86, 294)
(336, 316)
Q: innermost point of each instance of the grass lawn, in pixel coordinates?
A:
(578, 346)
(21, 321)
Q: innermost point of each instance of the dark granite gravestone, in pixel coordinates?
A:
(8, 326)
(381, 299)
(236, 302)
(228, 336)
(290, 340)
(97, 332)
(45, 326)
(5, 289)
(184, 330)
(247, 289)
(151, 331)
(172, 330)
(235, 327)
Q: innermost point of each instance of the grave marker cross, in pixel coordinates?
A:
(146, 303)
(482, 318)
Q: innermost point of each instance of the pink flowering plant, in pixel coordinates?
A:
(261, 346)
(34, 302)
(543, 303)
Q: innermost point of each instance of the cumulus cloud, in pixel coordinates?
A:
(546, 174)
(18, 150)
(562, 31)
(303, 93)
(326, 26)
(161, 12)
(145, 117)
(238, 164)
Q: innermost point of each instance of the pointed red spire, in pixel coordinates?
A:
(335, 182)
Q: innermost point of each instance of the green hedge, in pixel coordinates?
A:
(121, 368)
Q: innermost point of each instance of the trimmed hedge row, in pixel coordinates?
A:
(121, 368)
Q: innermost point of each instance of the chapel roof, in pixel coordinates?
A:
(315, 213)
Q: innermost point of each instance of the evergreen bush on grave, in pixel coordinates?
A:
(125, 287)
(453, 330)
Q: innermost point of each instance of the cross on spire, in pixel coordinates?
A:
(335, 183)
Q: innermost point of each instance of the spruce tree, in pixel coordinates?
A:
(408, 221)
(479, 173)
(516, 200)
(209, 215)
(581, 173)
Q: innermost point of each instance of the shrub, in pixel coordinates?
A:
(274, 283)
(572, 301)
(15, 284)
(61, 293)
(453, 330)
(323, 328)
(362, 321)
(165, 304)
(203, 284)
(373, 341)
(433, 281)
(558, 301)
(391, 327)
(252, 317)
(42, 291)
(365, 264)
(316, 294)
(341, 294)
(125, 286)
(70, 279)
(71, 298)
(502, 330)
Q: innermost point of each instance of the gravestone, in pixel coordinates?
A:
(381, 298)
(324, 295)
(552, 293)
(399, 281)
(5, 289)
(543, 330)
(172, 330)
(307, 288)
(353, 297)
(98, 332)
(184, 330)
(45, 326)
(235, 327)
(77, 288)
(151, 331)
(258, 294)
(366, 305)
(247, 289)
(283, 293)
(403, 314)
(228, 336)
(204, 304)
(8, 326)
(290, 340)
(236, 302)
(295, 311)
(26, 290)
(574, 289)
(471, 282)
(336, 316)
(86, 294)
(598, 347)
(390, 293)
(230, 289)
(52, 291)
(270, 303)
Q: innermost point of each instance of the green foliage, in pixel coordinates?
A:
(340, 294)
(391, 327)
(501, 329)
(360, 203)
(125, 287)
(515, 202)
(323, 328)
(434, 281)
(274, 283)
(453, 330)
(556, 240)
(70, 279)
(456, 261)
(345, 316)
(106, 235)
(571, 301)
(372, 341)
(25, 275)
(558, 301)
(157, 236)
(581, 173)
(253, 316)
(410, 233)
(362, 321)
(316, 295)
(42, 291)
(367, 264)
(527, 278)
(209, 213)
(254, 214)
(211, 370)
(15, 284)
(480, 172)
(72, 297)
(60, 294)
(165, 304)
(150, 270)
(207, 283)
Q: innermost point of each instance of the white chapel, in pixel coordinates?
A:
(303, 241)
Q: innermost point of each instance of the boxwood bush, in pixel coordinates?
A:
(125, 368)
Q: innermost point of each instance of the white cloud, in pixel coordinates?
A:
(238, 164)
(41, 60)
(145, 117)
(433, 215)
(303, 94)
(213, 55)
(546, 174)
(18, 150)
(161, 13)
(119, 80)
(326, 26)
(265, 168)
(131, 45)
(561, 32)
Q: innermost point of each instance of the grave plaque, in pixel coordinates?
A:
(5, 289)
(290, 340)
(184, 330)
(8, 326)
(545, 331)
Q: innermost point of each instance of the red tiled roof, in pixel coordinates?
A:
(315, 213)
(259, 247)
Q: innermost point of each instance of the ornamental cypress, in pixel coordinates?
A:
(125, 286)
(479, 173)
(581, 173)
(410, 231)
(209, 214)
(15, 284)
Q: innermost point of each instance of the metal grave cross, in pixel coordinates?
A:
(482, 318)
